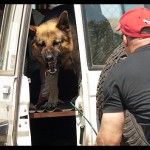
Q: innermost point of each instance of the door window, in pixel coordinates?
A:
(1, 18)
(100, 23)
(9, 33)
(1, 13)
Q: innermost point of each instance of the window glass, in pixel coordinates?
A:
(8, 34)
(1, 13)
(1, 18)
(101, 21)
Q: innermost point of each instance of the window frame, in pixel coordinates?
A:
(90, 64)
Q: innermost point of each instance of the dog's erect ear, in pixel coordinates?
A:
(32, 30)
(63, 21)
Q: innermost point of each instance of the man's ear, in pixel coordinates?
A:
(63, 21)
(125, 40)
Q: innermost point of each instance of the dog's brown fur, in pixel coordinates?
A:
(56, 39)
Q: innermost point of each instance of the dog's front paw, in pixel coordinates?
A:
(48, 105)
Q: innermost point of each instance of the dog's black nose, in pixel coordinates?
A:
(48, 57)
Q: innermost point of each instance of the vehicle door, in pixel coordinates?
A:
(13, 84)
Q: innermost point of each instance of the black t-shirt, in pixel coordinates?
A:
(127, 86)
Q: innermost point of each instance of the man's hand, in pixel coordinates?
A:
(111, 129)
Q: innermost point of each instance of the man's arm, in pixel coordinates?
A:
(111, 129)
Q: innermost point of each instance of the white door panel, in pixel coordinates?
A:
(84, 85)
(7, 104)
(93, 77)
(23, 134)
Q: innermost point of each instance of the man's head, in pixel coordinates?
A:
(135, 26)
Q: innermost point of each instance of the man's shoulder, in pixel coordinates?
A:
(120, 67)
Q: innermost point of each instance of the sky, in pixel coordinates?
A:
(116, 9)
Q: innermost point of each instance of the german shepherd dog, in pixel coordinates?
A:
(55, 45)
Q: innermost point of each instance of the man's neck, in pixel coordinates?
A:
(137, 43)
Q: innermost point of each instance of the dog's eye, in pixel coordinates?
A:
(41, 44)
(56, 43)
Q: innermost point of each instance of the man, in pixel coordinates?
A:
(127, 85)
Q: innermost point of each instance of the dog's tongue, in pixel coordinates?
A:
(52, 67)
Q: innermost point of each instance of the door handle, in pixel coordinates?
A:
(6, 90)
(81, 134)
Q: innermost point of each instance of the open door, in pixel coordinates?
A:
(13, 38)
(98, 40)
(85, 103)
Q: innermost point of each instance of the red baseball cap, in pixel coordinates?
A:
(133, 21)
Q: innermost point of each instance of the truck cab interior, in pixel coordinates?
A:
(55, 130)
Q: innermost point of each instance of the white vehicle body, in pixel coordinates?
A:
(14, 84)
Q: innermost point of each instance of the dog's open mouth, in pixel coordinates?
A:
(52, 66)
